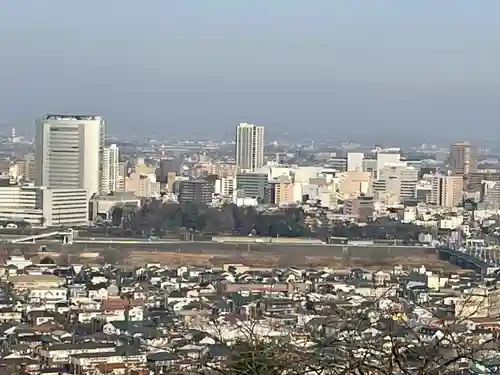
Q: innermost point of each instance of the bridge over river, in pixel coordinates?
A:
(474, 255)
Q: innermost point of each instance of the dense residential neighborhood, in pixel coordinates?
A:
(158, 320)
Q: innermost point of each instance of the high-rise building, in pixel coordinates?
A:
(110, 178)
(446, 191)
(249, 146)
(69, 152)
(463, 158)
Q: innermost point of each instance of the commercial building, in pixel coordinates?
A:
(26, 167)
(338, 164)
(110, 179)
(304, 174)
(44, 207)
(395, 183)
(224, 186)
(103, 205)
(446, 191)
(476, 178)
(142, 185)
(65, 207)
(362, 207)
(490, 195)
(355, 161)
(69, 152)
(386, 158)
(249, 146)
(166, 167)
(280, 192)
(195, 191)
(252, 185)
(463, 158)
(352, 184)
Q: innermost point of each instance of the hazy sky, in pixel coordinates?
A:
(192, 66)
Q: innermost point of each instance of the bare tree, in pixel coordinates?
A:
(347, 338)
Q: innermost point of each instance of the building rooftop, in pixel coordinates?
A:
(72, 117)
(34, 278)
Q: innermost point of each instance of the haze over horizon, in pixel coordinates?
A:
(384, 68)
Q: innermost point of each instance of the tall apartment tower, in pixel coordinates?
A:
(110, 178)
(249, 146)
(463, 158)
(69, 152)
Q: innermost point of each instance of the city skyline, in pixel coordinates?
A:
(387, 69)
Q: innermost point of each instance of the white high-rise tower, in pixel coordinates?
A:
(110, 169)
(13, 138)
(69, 152)
(249, 146)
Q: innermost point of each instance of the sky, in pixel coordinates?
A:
(193, 68)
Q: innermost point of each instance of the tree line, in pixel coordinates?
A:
(158, 218)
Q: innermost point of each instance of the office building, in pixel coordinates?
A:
(103, 205)
(280, 192)
(446, 191)
(26, 168)
(361, 207)
(476, 178)
(224, 186)
(252, 185)
(281, 158)
(166, 167)
(395, 183)
(249, 147)
(110, 179)
(69, 152)
(44, 207)
(195, 191)
(353, 184)
(338, 164)
(385, 158)
(370, 165)
(142, 185)
(490, 195)
(355, 161)
(463, 158)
